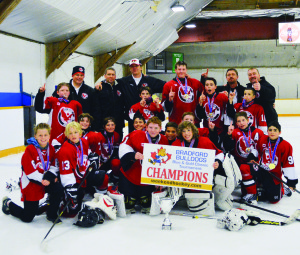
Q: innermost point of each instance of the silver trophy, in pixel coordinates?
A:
(167, 203)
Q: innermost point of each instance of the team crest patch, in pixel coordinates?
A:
(216, 112)
(81, 69)
(145, 85)
(119, 93)
(186, 97)
(159, 157)
(65, 116)
(84, 95)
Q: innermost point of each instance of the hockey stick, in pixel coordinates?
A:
(263, 209)
(279, 179)
(68, 202)
(274, 176)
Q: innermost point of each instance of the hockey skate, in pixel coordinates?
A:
(250, 199)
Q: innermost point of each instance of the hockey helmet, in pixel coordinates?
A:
(89, 217)
(233, 219)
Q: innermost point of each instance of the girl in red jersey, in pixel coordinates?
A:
(188, 136)
(39, 176)
(73, 164)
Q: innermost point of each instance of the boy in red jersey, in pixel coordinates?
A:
(212, 106)
(131, 156)
(64, 110)
(255, 112)
(275, 157)
(39, 176)
(147, 107)
(242, 141)
(73, 164)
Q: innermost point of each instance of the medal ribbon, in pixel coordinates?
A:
(110, 143)
(211, 102)
(45, 167)
(80, 153)
(191, 144)
(149, 138)
(62, 99)
(274, 151)
(245, 105)
(247, 141)
(181, 85)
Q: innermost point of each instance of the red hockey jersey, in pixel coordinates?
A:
(218, 110)
(256, 115)
(283, 159)
(147, 111)
(183, 101)
(241, 152)
(73, 162)
(134, 142)
(62, 114)
(33, 171)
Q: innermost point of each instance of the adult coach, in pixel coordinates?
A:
(265, 93)
(181, 94)
(131, 85)
(79, 91)
(109, 101)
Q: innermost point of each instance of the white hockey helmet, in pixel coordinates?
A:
(233, 219)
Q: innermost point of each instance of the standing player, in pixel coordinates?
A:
(39, 176)
(242, 142)
(131, 156)
(73, 165)
(255, 112)
(147, 107)
(212, 106)
(200, 201)
(181, 94)
(64, 110)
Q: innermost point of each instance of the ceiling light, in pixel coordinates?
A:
(190, 25)
(178, 7)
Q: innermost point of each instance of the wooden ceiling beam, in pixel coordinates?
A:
(6, 7)
(101, 62)
(58, 52)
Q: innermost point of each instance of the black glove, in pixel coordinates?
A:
(251, 157)
(292, 183)
(71, 193)
(94, 159)
(49, 176)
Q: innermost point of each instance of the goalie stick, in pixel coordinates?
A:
(66, 205)
(254, 220)
(264, 209)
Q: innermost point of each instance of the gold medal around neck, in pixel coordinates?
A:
(272, 166)
(210, 114)
(248, 149)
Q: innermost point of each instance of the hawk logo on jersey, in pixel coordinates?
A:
(159, 157)
(267, 158)
(148, 113)
(119, 93)
(215, 111)
(145, 85)
(65, 116)
(241, 147)
(84, 95)
(187, 97)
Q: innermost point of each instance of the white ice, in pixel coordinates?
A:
(142, 234)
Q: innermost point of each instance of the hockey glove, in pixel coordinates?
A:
(48, 176)
(71, 193)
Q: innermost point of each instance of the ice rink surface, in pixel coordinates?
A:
(142, 234)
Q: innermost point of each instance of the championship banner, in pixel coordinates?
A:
(175, 166)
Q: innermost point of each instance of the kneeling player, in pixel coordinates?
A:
(131, 156)
(39, 176)
(73, 165)
(200, 201)
(276, 158)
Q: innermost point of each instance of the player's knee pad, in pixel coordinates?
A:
(155, 202)
(145, 201)
(130, 202)
(200, 203)
(119, 201)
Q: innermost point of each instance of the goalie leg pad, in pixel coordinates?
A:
(119, 202)
(200, 203)
(105, 203)
(155, 202)
(222, 190)
(232, 170)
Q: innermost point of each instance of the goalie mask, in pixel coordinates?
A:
(88, 217)
(233, 219)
